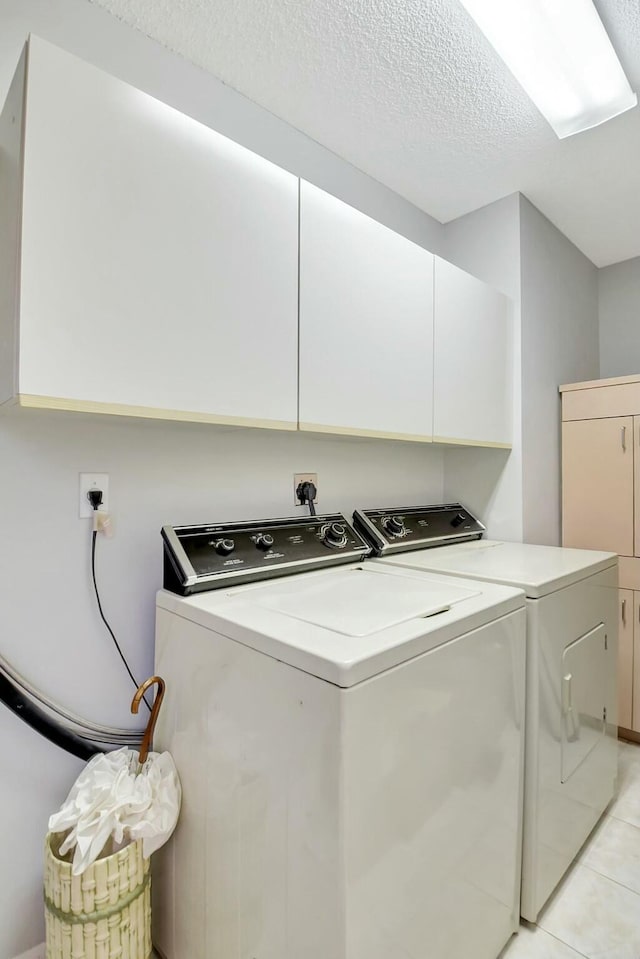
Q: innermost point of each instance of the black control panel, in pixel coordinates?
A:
(216, 555)
(416, 527)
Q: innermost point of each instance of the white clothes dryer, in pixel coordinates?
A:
(350, 745)
(572, 624)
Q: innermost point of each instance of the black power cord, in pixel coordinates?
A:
(95, 498)
(306, 493)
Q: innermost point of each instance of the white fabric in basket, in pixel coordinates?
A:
(110, 798)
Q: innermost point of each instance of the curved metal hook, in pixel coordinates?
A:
(147, 740)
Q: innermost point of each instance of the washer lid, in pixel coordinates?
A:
(344, 625)
(362, 602)
(538, 570)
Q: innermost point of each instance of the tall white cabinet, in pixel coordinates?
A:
(366, 324)
(158, 259)
(473, 358)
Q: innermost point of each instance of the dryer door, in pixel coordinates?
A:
(584, 694)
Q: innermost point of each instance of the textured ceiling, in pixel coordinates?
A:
(410, 92)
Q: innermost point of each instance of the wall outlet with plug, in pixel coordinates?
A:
(93, 481)
(299, 478)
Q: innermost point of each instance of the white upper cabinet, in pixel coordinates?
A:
(150, 266)
(472, 360)
(158, 258)
(366, 324)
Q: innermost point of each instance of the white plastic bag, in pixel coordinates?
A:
(115, 797)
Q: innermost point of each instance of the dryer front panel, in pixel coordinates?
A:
(584, 698)
(571, 751)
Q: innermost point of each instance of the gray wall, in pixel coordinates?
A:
(160, 473)
(619, 309)
(559, 315)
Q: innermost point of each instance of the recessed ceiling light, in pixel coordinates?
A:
(559, 52)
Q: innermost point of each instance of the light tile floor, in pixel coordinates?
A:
(595, 913)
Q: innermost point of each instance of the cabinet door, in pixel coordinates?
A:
(626, 620)
(636, 455)
(472, 400)
(366, 324)
(597, 484)
(636, 662)
(159, 259)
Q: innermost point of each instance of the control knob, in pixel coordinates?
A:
(394, 525)
(335, 534)
(224, 546)
(458, 519)
(264, 541)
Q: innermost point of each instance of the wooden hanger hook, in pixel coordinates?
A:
(147, 740)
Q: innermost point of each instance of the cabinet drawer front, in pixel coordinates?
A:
(620, 400)
(629, 572)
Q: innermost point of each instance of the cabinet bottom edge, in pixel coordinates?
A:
(629, 734)
(366, 433)
(483, 444)
(34, 401)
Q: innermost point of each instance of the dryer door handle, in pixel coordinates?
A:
(572, 726)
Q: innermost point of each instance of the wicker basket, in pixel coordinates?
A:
(104, 913)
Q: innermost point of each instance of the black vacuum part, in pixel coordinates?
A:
(33, 716)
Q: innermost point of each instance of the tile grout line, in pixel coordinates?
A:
(564, 943)
(596, 873)
(621, 819)
(610, 878)
(635, 779)
(580, 862)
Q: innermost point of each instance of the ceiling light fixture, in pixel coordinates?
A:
(559, 52)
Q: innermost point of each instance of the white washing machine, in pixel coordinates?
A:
(572, 624)
(350, 745)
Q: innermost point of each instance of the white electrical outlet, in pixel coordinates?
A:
(89, 481)
(304, 478)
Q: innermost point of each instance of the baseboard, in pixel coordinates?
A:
(629, 734)
(36, 953)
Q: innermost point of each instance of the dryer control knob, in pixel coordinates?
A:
(395, 525)
(224, 546)
(264, 541)
(335, 535)
(458, 519)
